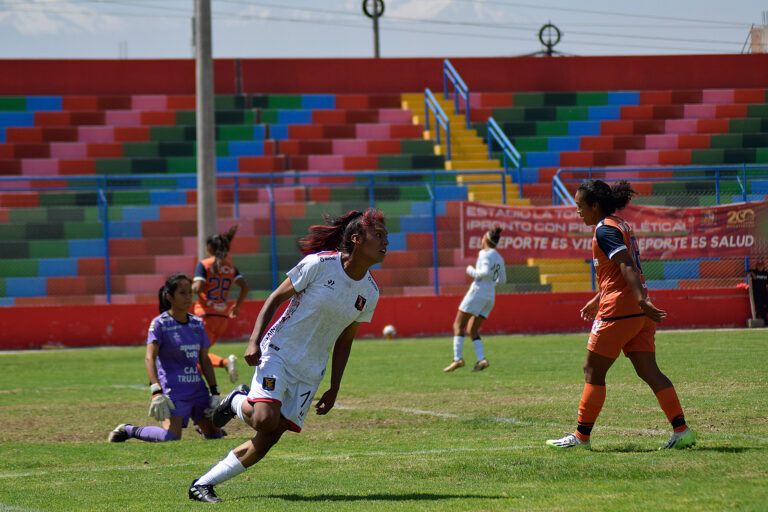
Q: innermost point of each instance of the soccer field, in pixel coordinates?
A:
(404, 435)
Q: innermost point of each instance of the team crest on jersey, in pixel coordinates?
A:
(268, 383)
(360, 303)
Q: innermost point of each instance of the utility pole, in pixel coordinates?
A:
(206, 124)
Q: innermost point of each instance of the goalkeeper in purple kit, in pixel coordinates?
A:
(176, 343)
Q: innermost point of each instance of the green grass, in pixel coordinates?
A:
(405, 436)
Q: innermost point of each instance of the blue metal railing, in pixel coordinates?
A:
(104, 214)
(712, 173)
(509, 153)
(102, 186)
(460, 89)
(431, 104)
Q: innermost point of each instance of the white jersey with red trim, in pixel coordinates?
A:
(327, 300)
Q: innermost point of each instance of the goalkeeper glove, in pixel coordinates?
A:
(161, 405)
(213, 402)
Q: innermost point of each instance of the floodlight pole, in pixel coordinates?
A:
(206, 124)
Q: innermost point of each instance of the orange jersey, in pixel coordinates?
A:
(212, 299)
(616, 299)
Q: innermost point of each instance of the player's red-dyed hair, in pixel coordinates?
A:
(336, 235)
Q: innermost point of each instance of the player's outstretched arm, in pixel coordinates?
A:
(283, 292)
(341, 351)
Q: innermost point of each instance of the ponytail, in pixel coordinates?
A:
(169, 288)
(336, 234)
(610, 198)
(494, 236)
(219, 245)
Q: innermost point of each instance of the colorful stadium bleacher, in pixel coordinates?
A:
(53, 249)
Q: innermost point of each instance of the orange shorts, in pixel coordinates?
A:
(635, 334)
(215, 326)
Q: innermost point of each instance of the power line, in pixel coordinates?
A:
(229, 15)
(602, 13)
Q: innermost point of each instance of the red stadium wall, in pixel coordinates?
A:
(177, 76)
(79, 326)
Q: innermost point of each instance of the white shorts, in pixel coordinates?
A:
(271, 383)
(476, 305)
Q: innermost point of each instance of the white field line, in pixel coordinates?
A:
(13, 508)
(377, 453)
(515, 421)
(328, 456)
(585, 331)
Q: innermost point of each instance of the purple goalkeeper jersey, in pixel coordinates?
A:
(179, 350)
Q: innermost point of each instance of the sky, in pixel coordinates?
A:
(138, 29)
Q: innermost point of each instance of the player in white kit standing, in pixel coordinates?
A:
(478, 302)
(331, 292)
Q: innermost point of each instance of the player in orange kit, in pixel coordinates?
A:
(214, 277)
(624, 317)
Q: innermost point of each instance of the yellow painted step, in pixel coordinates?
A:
(572, 287)
(490, 187)
(495, 198)
(562, 278)
(472, 165)
(565, 268)
(539, 261)
(496, 178)
(461, 152)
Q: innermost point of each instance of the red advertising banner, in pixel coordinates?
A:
(662, 233)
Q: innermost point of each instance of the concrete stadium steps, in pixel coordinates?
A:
(121, 135)
(468, 150)
(159, 240)
(563, 274)
(627, 128)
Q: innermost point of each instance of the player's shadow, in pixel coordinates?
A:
(645, 449)
(420, 496)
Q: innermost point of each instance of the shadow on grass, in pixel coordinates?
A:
(697, 448)
(372, 497)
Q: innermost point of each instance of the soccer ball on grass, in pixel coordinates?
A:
(389, 331)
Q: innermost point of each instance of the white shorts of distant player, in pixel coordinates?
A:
(272, 383)
(476, 303)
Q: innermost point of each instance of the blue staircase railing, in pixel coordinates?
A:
(509, 154)
(459, 88)
(431, 104)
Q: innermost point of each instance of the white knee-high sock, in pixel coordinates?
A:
(226, 468)
(479, 352)
(458, 347)
(237, 406)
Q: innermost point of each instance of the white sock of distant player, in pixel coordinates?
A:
(237, 406)
(226, 468)
(458, 347)
(478, 344)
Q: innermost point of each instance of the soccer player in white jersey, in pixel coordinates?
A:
(477, 304)
(331, 292)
